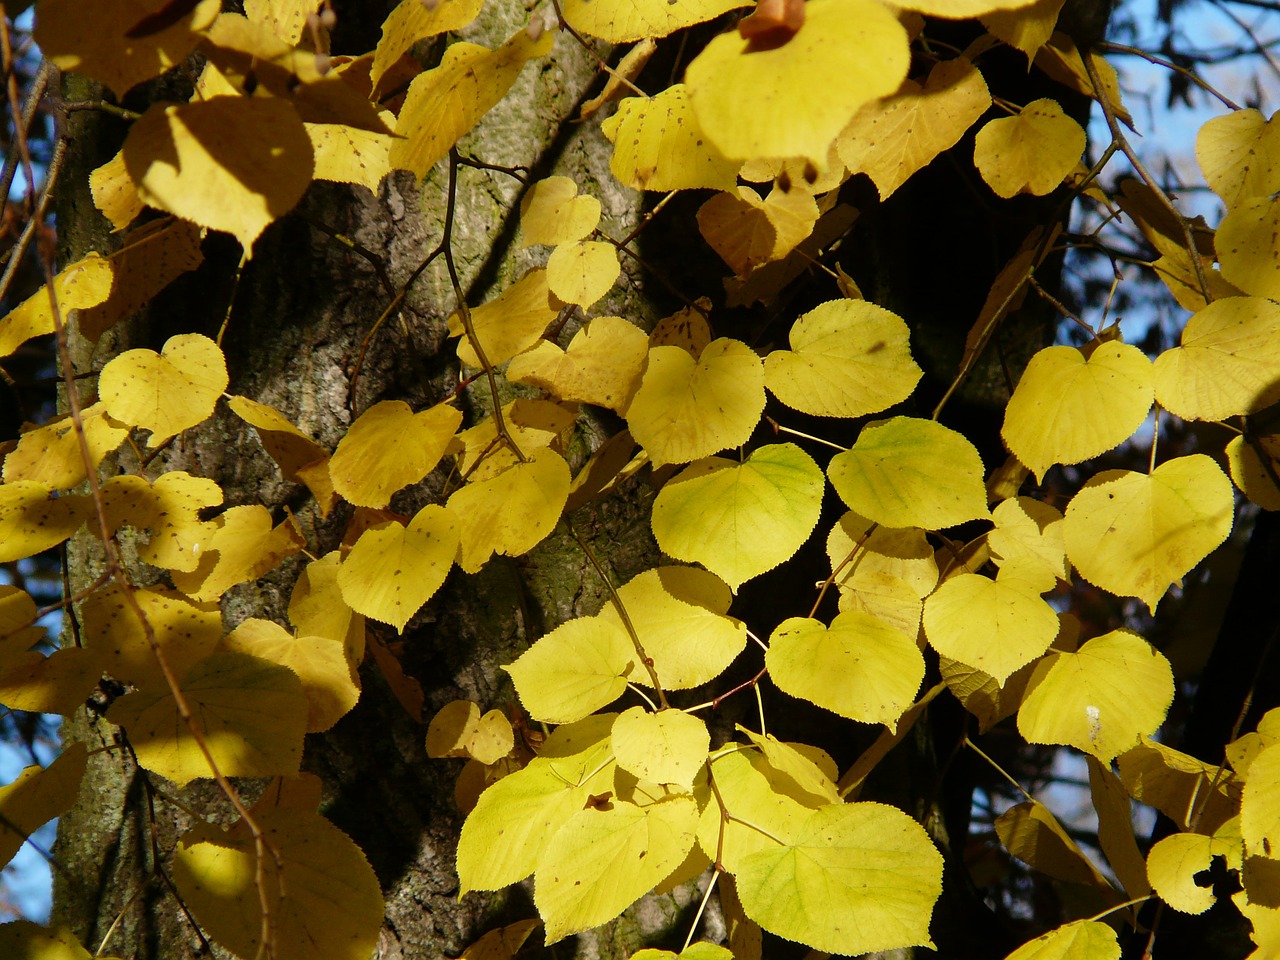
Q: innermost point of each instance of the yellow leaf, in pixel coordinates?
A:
(1174, 269)
(413, 20)
(443, 104)
(293, 450)
(37, 795)
(755, 102)
(493, 738)
(169, 510)
(995, 625)
(509, 324)
(1078, 940)
(665, 747)
(637, 19)
(1239, 155)
(23, 938)
(532, 425)
(101, 46)
(679, 615)
(908, 472)
(1102, 699)
(1116, 829)
(552, 213)
(962, 9)
(115, 193)
(1030, 153)
(50, 454)
(1033, 834)
(405, 446)
(251, 714)
(1030, 534)
(578, 885)
(1228, 363)
(853, 878)
(1172, 865)
(165, 392)
(393, 570)
(243, 547)
(623, 75)
(888, 576)
(602, 365)
(687, 409)
(286, 18)
(327, 680)
(687, 329)
(848, 358)
(573, 671)
(451, 729)
(1247, 471)
(859, 667)
(184, 630)
(891, 139)
(511, 513)
(808, 778)
(1027, 28)
(659, 145)
(1179, 785)
(32, 522)
(228, 163)
(316, 608)
(1247, 247)
(740, 520)
(978, 692)
(1060, 59)
(582, 271)
(349, 155)
(747, 231)
(1260, 805)
(1136, 535)
(85, 283)
(331, 904)
(760, 803)
(505, 942)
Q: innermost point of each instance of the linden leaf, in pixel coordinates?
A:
(665, 747)
(509, 324)
(243, 547)
(1101, 699)
(227, 163)
(1260, 805)
(891, 139)
(638, 19)
(602, 365)
(300, 458)
(1060, 59)
(578, 885)
(1078, 940)
(859, 667)
(962, 9)
(445, 103)
(583, 271)
(316, 608)
(1249, 474)
(748, 232)
(753, 101)
(1030, 153)
(393, 570)
(251, 715)
(687, 409)
(1030, 535)
(1180, 786)
(1033, 834)
(184, 630)
(1239, 155)
(1228, 363)
(165, 392)
(853, 878)
(882, 571)
(1027, 28)
(405, 446)
(679, 615)
(327, 680)
(848, 358)
(573, 671)
(452, 728)
(808, 779)
(114, 192)
(1068, 407)
(740, 520)
(532, 425)
(169, 510)
(286, 18)
(37, 795)
(1136, 535)
(1116, 829)
(413, 20)
(1172, 865)
(347, 154)
(908, 472)
(505, 942)
(995, 625)
(85, 283)
(552, 213)
(1249, 255)
(31, 522)
(658, 145)
(50, 455)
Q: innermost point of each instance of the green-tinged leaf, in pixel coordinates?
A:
(37, 795)
(860, 667)
(574, 670)
(665, 747)
(848, 358)
(1102, 699)
(907, 472)
(853, 878)
(882, 571)
(251, 715)
(1078, 940)
(389, 447)
(658, 145)
(578, 884)
(740, 520)
(760, 806)
(1029, 534)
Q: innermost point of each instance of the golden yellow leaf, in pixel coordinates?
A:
(848, 358)
(1176, 272)
(85, 283)
(1136, 535)
(505, 942)
(24, 938)
(185, 631)
(1060, 59)
(637, 19)
(1027, 28)
(1030, 534)
(37, 795)
(511, 513)
(294, 451)
(602, 365)
(1033, 834)
(1239, 154)
(747, 231)
(169, 510)
(510, 323)
(888, 576)
(452, 728)
(405, 447)
(687, 409)
(1260, 805)
(1255, 481)
(1179, 785)
(623, 75)
(115, 193)
(443, 104)
(51, 455)
(573, 671)
(687, 329)
(962, 9)
(316, 608)
(754, 102)
(978, 692)
(349, 155)
(229, 163)
(31, 520)
(101, 47)
(665, 747)
(243, 547)
(1078, 940)
(1029, 153)
(582, 271)
(532, 425)
(286, 18)
(1116, 829)
(890, 139)
(659, 145)
(1102, 699)
(552, 212)
(165, 392)
(811, 771)
(393, 570)
(1247, 247)
(413, 20)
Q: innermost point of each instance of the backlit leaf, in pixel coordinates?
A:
(532, 425)
(637, 19)
(889, 573)
(760, 806)
(574, 670)
(1116, 829)
(740, 520)
(747, 231)
(1249, 255)
(848, 358)
(1247, 471)
(85, 283)
(859, 667)
(1068, 407)
(1260, 805)
(1031, 832)
(1179, 785)
(37, 795)
(165, 392)
(665, 747)
(552, 212)
(1029, 534)
(1031, 152)
(658, 145)
(583, 271)
(1101, 699)
(908, 472)
(1136, 535)
(31, 521)
(510, 323)
(413, 20)
(807, 778)
(602, 364)
(50, 454)
(346, 154)
(404, 445)
(1239, 154)
(1172, 865)
(1078, 940)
